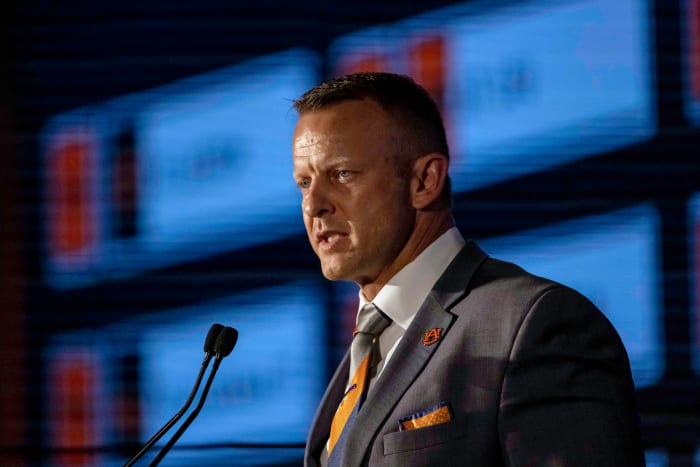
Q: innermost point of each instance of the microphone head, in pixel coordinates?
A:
(226, 341)
(213, 333)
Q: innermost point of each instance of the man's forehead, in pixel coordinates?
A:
(305, 138)
(316, 136)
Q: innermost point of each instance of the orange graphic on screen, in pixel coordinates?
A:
(69, 177)
(427, 66)
(73, 384)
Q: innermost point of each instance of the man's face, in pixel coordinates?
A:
(357, 209)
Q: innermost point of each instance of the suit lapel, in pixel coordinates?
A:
(321, 425)
(411, 356)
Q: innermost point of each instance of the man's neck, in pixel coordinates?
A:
(429, 227)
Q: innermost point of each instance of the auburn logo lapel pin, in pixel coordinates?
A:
(431, 336)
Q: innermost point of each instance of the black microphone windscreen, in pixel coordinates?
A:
(226, 341)
(213, 333)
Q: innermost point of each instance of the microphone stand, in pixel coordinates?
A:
(214, 332)
(224, 345)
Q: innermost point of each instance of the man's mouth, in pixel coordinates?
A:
(328, 238)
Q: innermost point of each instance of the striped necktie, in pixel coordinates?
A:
(370, 323)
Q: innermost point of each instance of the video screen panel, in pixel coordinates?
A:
(524, 86)
(174, 174)
(656, 458)
(694, 278)
(216, 163)
(264, 394)
(613, 259)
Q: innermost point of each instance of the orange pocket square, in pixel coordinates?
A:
(441, 413)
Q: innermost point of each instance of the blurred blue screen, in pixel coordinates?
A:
(694, 277)
(522, 87)
(656, 458)
(265, 392)
(174, 174)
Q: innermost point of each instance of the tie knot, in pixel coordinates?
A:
(371, 320)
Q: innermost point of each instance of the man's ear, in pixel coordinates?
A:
(428, 180)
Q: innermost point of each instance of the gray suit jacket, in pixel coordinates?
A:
(533, 373)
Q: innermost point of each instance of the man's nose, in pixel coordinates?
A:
(316, 201)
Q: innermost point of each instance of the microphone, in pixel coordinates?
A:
(209, 351)
(223, 346)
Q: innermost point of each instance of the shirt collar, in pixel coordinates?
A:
(403, 295)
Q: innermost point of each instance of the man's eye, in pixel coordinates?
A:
(304, 183)
(343, 173)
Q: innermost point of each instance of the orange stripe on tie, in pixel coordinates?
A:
(347, 405)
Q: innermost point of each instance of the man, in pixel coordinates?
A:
(482, 364)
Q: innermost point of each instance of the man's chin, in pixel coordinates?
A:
(334, 277)
(334, 273)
